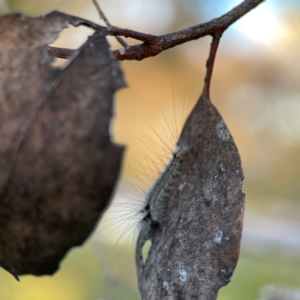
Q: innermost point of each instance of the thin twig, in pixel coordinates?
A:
(210, 61)
(60, 52)
(144, 37)
(153, 45)
(106, 21)
(157, 44)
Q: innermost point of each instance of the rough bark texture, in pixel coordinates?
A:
(58, 165)
(195, 250)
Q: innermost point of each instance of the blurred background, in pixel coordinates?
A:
(256, 88)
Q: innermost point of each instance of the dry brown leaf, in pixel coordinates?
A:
(195, 250)
(58, 165)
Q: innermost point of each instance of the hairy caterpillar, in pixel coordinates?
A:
(141, 198)
(153, 209)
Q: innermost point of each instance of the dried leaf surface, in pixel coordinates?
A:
(26, 76)
(24, 66)
(58, 165)
(195, 250)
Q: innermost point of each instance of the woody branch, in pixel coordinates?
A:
(153, 45)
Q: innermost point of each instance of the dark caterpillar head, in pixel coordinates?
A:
(154, 224)
(146, 212)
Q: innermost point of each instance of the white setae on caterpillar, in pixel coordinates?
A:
(153, 209)
(148, 204)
